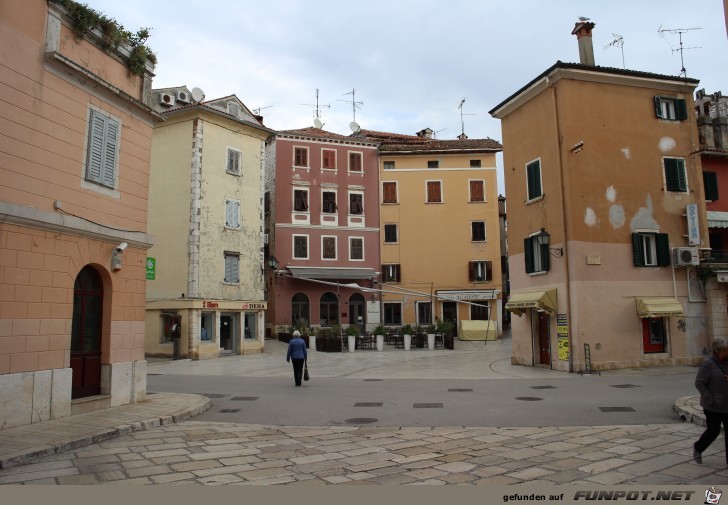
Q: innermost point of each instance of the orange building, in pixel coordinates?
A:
(75, 139)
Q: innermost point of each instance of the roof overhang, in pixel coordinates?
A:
(332, 273)
(541, 301)
(658, 307)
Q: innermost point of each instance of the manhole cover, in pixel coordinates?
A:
(372, 380)
(213, 395)
(427, 406)
(616, 409)
(361, 420)
(529, 399)
(459, 390)
(625, 386)
(244, 398)
(229, 411)
(543, 387)
(368, 404)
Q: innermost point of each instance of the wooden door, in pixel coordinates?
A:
(86, 334)
(544, 351)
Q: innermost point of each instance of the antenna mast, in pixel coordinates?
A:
(462, 122)
(317, 106)
(257, 111)
(619, 42)
(354, 104)
(680, 31)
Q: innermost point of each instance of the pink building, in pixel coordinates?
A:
(322, 219)
(74, 173)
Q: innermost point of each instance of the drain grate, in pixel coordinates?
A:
(529, 398)
(244, 398)
(617, 409)
(543, 387)
(228, 411)
(372, 380)
(361, 420)
(150, 374)
(427, 406)
(459, 390)
(213, 395)
(625, 386)
(368, 404)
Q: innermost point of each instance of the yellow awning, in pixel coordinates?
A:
(543, 301)
(658, 307)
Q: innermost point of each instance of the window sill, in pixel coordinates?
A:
(227, 283)
(478, 241)
(391, 243)
(300, 168)
(334, 170)
(435, 203)
(302, 259)
(477, 201)
(233, 228)
(359, 172)
(356, 259)
(390, 203)
(534, 200)
(232, 172)
(535, 274)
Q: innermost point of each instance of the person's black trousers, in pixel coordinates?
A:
(713, 420)
(298, 370)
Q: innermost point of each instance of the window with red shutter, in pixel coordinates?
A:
(389, 190)
(300, 157)
(433, 192)
(477, 194)
(355, 162)
(328, 159)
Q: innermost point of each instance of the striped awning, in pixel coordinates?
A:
(717, 219)
(658, 307)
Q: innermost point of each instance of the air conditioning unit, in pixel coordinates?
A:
(686, 256)
(183, 96)
(166, 99)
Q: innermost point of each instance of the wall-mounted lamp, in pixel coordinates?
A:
(543, 238)
(273, 263)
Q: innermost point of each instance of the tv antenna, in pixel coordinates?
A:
(354, 104)
(462, 122)
(679, 32)
(434, 134)
(317, 116)
(618, 42)
(257, 111)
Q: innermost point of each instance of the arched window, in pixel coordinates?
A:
(300, 309)
(329, 309)
(88, 294)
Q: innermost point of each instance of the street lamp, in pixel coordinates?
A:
(273, 263)
(542, 238)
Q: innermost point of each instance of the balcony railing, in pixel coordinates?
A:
(716, 257)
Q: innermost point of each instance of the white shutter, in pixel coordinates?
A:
(112, 139)
(231, 268)
(236, 214)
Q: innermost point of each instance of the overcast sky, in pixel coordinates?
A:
(410, 62)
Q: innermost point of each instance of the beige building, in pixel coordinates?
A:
(605, 217)
(206, 208)
(439, 230)
(74, 171)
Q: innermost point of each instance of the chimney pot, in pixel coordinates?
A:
(583, 32)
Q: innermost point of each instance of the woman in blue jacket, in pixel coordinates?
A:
(297, 354)
(712, 382)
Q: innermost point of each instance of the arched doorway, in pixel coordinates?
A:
(357, 311)
(88, 298)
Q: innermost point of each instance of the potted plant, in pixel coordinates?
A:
(446, 327)
(285, 333)
(379, 333)
(407, 331)
(328, 340)
(352, 331)
(430, 330)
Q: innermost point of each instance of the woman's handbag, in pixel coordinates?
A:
(305, 371)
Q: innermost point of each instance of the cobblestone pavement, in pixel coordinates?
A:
(222, 453)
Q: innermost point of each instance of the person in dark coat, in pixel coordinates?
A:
(712, 382)
(297, 354)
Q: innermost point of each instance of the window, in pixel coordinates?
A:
(356, 205)
(206, 320)
(328, 248)
(233, 109)
(232, 260)
(480, 271)
(390, 234)
(710, 183)
(300, 309)
(474, 163)
(328, 202)
(393, 314)
(390, 273)
(389, 192)
(233, 161)
(477, 191)
(356, 248)
(675, 178)
(477, 229)
(300, 200)
(533, 179)
(673, 109)
(389, 165)
(232, 213)
(433, 164)
(300, 247)
(651, 249)
(480, 311)
(355, 162)
(329, 309)
(536, 255)
(434, 192)
(103, 149)
(424, 313)
(328, 159)
(167, 325)
(300, 157)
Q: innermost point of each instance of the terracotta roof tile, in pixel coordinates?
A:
(395, 142)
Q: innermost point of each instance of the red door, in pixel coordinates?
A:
(653, 334)
(86, 334)
(544, 352)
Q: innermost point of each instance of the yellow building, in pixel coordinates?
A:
(206, 286)
(606, 217)
(439, 228)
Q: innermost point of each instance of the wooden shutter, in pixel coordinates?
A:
(355, 162)
(710, 183)
(111, 138)
(300, 157)
(329, 159)
(534, 180)
(658, 106)
(675, 178)
(488, 270)
(231, 268)
(476, 191)
(528, 255)
(471, 271)
(95, 147)
(681, 110)
(433, 192)
(389, 192)
(662, 243)
(637, 251)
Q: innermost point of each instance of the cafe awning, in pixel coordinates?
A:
(542, 301)
(332, 273)
(658, 307)
(717, 219)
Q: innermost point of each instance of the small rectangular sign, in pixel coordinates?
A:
(693, 230)
(151, 268)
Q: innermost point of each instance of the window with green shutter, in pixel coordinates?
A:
(533, 180)
(103, 149)
(536, 255)
(651, 249)
(675, 177)
(710, 182)
(670, 108)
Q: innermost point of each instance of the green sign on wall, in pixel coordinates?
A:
(151, 268)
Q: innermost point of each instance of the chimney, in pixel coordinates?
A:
(583, 32)
(426, 133)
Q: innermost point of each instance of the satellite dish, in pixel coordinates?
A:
(354, 126)
(197, 94)
(317, 123)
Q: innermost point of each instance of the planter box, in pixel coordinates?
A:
(285, 337)
(328, 344)
(449, 342)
